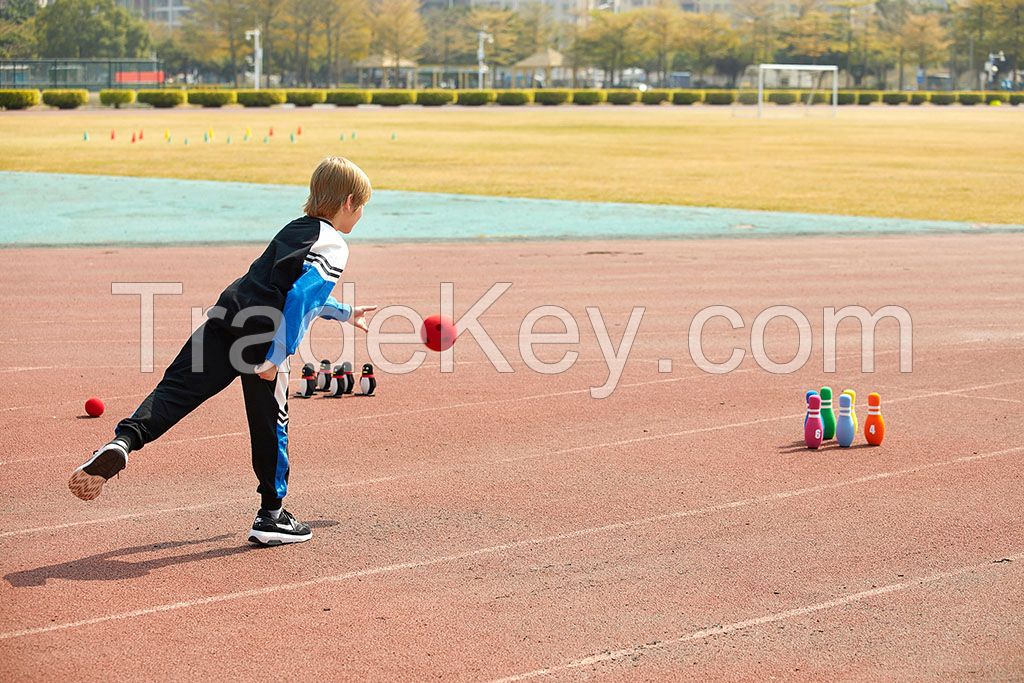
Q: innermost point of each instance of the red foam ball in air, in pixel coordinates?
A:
(438, 333)
(94, 407)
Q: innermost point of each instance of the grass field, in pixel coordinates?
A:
(930, 163)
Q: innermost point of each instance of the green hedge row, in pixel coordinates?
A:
(517, 98)
(435, 98)
(162, 99)
(212, 98)
(65, 99)
(115, 98)
(19, 99)
(305, 98)
(475, 98)
(216, 97)
(586, 97)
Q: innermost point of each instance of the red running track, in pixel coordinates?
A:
(479, 525)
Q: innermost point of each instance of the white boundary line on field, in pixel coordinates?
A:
(726, 629)
(488, 550)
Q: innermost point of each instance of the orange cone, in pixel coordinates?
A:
(299, 131)
(112, 134)
(133, 137)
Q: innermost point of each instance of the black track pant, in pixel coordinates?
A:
(184, 387)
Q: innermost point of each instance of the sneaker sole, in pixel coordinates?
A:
(86, 486)
(87, 481)
(275, 538)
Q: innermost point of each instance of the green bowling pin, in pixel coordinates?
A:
(828, 415)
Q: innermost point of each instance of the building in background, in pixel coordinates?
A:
(169, 13)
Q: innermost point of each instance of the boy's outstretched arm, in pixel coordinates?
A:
(308, 298)
(334, 310)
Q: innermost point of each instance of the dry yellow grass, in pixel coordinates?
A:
(951, 163)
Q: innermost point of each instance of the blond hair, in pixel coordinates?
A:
(333, 180)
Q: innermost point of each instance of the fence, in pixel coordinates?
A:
(91, 74)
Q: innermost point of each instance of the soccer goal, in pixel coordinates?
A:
(810, 77)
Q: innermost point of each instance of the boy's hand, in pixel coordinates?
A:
(358, 318)
(270, 374)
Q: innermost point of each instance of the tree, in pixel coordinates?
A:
(924, 38)
(609, 43)
(847, 28)
(265, 13)
(505, 29)
(88, 29)
(1010, 34)
(225, 21)
(706, 39)
(302, 17)
(534, 30)
(448, 37)
(347, 34)
(758, 28)
(398, 31)
(660, 30)
(17, 28)
(892, 15)
(18, 11)
(809, 32)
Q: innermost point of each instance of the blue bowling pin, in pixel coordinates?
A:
(807, 400)
(844, 426)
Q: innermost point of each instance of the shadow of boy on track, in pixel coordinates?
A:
(110, 566)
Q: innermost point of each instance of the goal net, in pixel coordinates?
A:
(805, 84)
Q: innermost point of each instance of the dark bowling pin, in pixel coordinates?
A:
(337, 382)
(323, 378)
(308, 381)
(348, 382)
(367, 383)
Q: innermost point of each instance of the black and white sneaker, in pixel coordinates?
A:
(88, 479)
(285, 529)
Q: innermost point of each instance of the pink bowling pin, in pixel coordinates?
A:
(813, 427)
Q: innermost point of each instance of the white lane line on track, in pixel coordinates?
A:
(715, 428)
(183, 508)
(488, 550)
(428, 471)
(992, 398)
(726, 629)
(71, 401)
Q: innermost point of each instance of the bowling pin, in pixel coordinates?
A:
(308, 381)
(812, 426)
(828, 415)
(874, 426)
(323, 378)
(844, 425)
(367, 382)
(334, 388)
(853, 408)
(807, 400)
(348, 382)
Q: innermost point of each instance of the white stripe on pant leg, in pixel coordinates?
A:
(281, 467)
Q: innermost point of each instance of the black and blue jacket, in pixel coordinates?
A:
(295, 275)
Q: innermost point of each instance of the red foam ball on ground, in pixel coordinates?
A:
(94, 407)
(438, 333)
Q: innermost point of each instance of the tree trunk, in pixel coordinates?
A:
(901, 70)
(233, 59)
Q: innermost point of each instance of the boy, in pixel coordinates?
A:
(257, 323)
